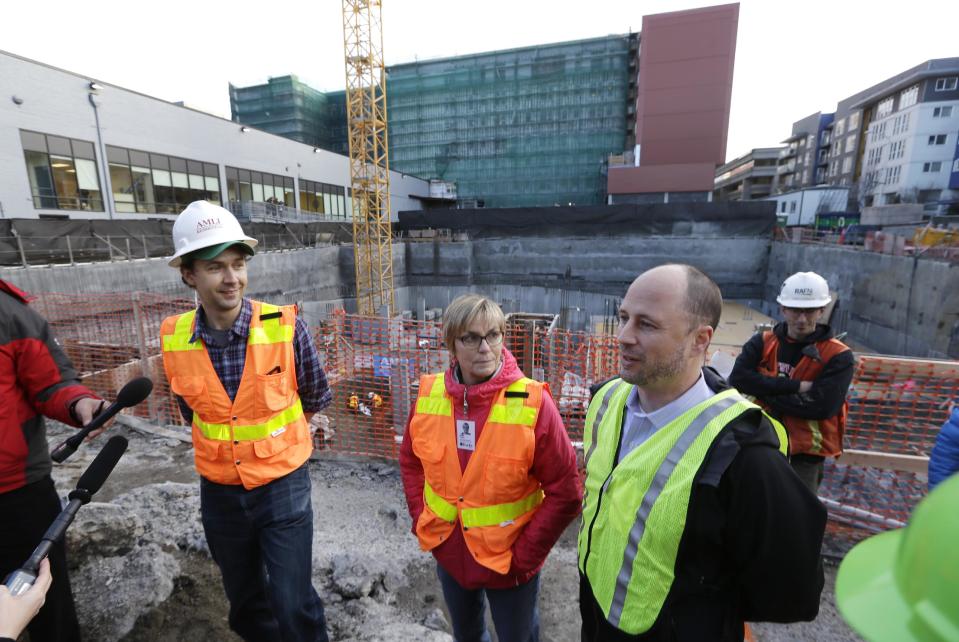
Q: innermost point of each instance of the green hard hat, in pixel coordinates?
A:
(904, 584)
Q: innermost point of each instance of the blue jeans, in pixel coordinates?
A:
(262, 540)
(513, 609)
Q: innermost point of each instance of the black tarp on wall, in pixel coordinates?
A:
(754, 218)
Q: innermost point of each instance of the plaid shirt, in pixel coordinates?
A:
(228, 360)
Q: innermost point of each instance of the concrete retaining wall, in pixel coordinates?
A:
(539, 274)
(598, 265)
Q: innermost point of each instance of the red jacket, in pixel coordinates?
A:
(36, 379)
(554, 465)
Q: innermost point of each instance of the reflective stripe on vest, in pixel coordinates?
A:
(221, 432)
(274, 332)
(496, 515)
(182, 333)
(437, 402)
(635, 514)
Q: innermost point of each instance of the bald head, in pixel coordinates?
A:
(688, 287)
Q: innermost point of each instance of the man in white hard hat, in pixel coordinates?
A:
(248, 379)
(801, 373)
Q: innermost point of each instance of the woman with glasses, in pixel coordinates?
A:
(490, 476)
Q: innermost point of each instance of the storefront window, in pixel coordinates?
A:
(62, 172)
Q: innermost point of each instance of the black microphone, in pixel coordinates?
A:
(90, 482)
(135, 391)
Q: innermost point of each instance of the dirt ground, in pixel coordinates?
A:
(375, 583)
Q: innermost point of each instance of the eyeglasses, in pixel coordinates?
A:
(471, 340)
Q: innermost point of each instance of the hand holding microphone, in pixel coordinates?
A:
(20, 581)
(16, 611)
(135, 391)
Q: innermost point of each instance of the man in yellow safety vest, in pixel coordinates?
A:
(693, 521)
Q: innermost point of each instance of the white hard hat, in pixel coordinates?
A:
(804, 290)
(205, 225)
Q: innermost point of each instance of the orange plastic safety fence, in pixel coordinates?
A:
(112, 338)
(896, 405)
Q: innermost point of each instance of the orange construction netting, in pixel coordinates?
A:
(896, 405)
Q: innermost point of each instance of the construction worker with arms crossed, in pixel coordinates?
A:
(248, 379)
(693, 522)
(490, 476)
(800, 373)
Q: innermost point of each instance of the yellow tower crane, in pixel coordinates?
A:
(369, 157)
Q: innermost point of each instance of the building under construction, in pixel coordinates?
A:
(628, 118)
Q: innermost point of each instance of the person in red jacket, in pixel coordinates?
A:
(36, 380)
(490, 476)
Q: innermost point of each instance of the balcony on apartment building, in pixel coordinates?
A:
(788, 152)
(786, 168)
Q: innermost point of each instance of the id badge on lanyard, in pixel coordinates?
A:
(466, 434)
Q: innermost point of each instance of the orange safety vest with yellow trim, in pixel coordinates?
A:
(495, 497)
(262, 434)
(821, 437)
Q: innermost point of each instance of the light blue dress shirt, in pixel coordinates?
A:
(639, 425)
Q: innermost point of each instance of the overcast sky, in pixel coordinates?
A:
(792, 58)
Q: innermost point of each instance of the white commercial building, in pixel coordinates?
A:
(800, 207)
(72, 146)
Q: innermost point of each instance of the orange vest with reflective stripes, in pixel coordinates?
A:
(495, 497)
(262, 434)
(821, 437)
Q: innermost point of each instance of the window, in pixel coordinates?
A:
(937, 139)
(884, 108)
(942, 112)
(946, 84)
(62, 171)
(908, 97)
(897, 149)
(782, 207)
(854, 120)
(900, 124)
(792, 207)
(244, 185)
(847, 164)
(892, 175)
(147, 183)
(850, 143)
(323, 199)
(840, 127)
(932, 167)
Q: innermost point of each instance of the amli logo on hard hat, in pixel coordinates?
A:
(207, 224)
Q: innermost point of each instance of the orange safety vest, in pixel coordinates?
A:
(821, 437)
(262, 434)
(495, 497)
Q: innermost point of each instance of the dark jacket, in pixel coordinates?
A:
(750, 550)
(781, 394)
(36, 379)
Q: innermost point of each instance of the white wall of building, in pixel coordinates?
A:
(898, 161)
(800, 207)
(57, 102)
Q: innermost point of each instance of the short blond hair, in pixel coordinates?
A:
(464, 310)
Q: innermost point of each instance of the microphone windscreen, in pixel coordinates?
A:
(135, 391)
(93, 477)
